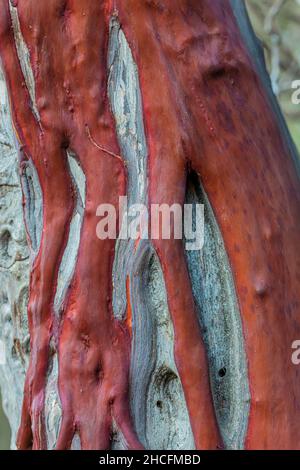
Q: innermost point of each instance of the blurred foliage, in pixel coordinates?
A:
(4, 430)
(277, 25)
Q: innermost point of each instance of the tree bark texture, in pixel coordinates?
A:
(142, 344)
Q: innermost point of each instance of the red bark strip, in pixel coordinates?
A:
(204, 109)
(68, 52)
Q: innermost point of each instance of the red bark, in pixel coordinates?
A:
(204, 109)
(68, 51)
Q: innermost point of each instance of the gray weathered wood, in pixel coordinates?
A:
(157, 400)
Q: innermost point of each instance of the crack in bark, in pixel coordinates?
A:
(100, 147)
(7, 268)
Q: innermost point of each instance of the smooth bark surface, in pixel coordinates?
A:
(162, 102)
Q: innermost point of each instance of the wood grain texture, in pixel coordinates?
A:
(203, 116)
(221, 124)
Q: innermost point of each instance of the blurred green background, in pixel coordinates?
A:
(276, 23)
(4, 429)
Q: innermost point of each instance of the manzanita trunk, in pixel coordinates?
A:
(160, 101)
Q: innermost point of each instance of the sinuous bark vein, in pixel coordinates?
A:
(199, 114)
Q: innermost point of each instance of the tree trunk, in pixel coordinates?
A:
(143, 343)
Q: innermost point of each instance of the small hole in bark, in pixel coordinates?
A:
(227, 71)
(99, 373)
(65, 144)
(222, 372)
(62, 8)
(159, 404)
(218, 72)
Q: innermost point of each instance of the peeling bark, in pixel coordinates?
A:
(162, 102)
